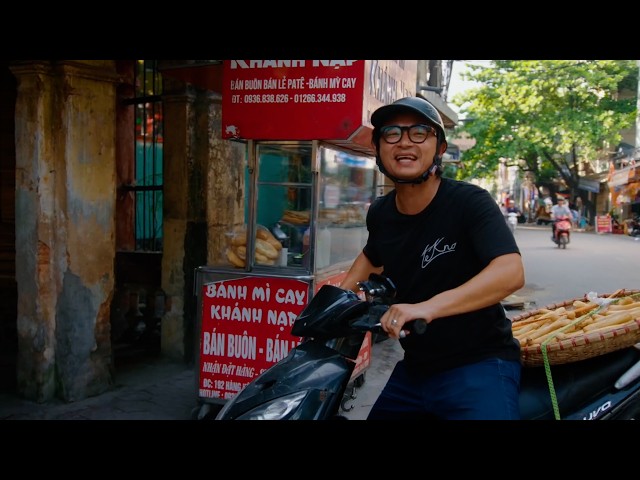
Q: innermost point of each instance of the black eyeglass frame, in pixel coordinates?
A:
(385, 130)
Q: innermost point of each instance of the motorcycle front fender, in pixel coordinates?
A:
(311, 367)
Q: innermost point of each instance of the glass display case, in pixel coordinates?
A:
(304, 224)
(308, 202)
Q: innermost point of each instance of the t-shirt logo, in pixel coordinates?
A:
(432, 251)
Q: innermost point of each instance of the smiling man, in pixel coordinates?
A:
(446, 246)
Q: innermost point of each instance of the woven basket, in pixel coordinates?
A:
(583, 346)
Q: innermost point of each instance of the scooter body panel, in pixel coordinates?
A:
(584, 389)
(562, 233)
(311, 367)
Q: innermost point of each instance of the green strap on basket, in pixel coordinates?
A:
(547, 365)
(545, 358)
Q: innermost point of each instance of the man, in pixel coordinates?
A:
(511, 208)
(559, 210)
(447, 248)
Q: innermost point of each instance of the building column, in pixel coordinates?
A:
(204, 188)
(65, 228)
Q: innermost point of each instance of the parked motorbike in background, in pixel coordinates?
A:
(312, 382)
(562, 235)
(634, 227)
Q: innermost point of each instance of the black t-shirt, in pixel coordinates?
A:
(438, 249)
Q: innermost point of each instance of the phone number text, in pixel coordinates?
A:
(286, 98)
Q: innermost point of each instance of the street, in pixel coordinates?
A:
(602, 263)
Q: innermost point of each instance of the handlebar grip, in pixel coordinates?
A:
(417, 326)
(420, 326)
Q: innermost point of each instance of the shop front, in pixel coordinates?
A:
(311, 176)
(624, 189)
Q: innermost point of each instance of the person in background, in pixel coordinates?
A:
(511, 208)
(445, 245)
(581, 222)
(560, 209)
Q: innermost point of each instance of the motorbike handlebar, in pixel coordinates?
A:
(371, 323)
(379, 288)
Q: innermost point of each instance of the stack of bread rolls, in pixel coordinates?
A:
(267, 248)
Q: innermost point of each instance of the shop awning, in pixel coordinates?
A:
(449, 116)
(591, 183)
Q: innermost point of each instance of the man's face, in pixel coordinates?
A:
(407, 159)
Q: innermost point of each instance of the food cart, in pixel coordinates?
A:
(311, 176)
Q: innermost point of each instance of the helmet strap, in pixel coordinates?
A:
(419, 179)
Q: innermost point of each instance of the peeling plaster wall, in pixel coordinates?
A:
(65, 227)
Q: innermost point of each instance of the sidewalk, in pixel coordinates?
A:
(156, 389)
(152, 389)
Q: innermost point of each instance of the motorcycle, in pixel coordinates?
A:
(562, 232)
(512, 221)
(313, 382)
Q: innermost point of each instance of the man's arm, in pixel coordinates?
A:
(503, 276)
(360, 270)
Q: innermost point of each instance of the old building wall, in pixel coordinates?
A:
(179, 118)
(226, 189)
(65, 228)
(203, 192)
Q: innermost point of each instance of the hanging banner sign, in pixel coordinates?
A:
(589, 185)
(619, 177)
(246, 325)
(309, 99)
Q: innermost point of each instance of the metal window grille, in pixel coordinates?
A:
(148, 186)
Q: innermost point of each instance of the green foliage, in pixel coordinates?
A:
(548, 115)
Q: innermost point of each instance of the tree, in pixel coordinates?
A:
(548, 116)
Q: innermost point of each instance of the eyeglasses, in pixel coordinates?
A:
(417, 133)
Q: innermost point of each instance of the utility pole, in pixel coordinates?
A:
(635, 153)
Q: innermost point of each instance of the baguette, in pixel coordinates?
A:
(234, 259)
(559, 323)
(264, 234)
(263, 260)
(241, 251)
(265, 249)
(624, 306)
(609, 320)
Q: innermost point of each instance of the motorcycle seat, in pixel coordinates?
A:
(576, 384)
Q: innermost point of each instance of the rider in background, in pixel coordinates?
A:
(511, 208)
(560, 209)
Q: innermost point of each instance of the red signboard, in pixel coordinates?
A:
(309, 99)
(246, 324)
(603, 224)
(292, 99)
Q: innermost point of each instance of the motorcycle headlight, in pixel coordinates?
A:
(277, 409)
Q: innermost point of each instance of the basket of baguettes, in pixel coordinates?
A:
(578, 329)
